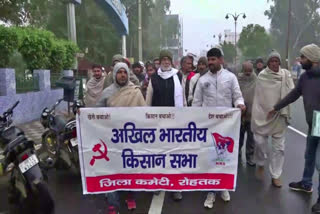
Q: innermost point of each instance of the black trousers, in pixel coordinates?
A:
(246, 128)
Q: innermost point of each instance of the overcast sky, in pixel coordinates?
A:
(204, 18)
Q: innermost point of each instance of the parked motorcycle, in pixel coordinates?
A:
(28, 192)
(60, 138)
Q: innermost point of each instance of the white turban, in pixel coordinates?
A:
(312, 52)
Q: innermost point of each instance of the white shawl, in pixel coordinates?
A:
(271, 87)
(178, 91)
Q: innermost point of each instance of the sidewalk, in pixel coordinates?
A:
(33, 130)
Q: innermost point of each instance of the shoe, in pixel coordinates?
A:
(250, 163)
(260, 172)
(112, 210)
(316, 207)
(211, 198)
(225, 196)
(177, 196)
(131, 204)
(299, 186)
(276, 182)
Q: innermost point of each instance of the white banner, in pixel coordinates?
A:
(151, 148)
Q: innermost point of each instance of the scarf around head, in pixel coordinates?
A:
(94, 91)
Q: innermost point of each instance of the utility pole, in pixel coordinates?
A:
(72, 32)
(140, 30)
(124, 46)
(235, 18)
(288, 35)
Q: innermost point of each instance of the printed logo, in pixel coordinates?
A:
(224, 147)
(103, 153)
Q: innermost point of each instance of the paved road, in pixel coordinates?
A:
(252, 196)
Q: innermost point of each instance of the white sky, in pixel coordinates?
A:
(204, 18)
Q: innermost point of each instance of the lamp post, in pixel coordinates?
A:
(288, 35)
(140, 29)
(220, 37)
(235, 18)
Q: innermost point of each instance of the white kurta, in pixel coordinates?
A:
(219, 90)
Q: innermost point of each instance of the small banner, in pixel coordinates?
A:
(151, 148)
(316, 124)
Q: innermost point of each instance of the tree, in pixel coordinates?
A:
(23, 12)
(305, 24)
(154, 27)
(95, 31)
(254, 41)
(229, 51)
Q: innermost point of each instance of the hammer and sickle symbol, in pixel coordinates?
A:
(103, 154)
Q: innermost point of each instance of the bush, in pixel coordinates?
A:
(40, 49)
(71, 50)
(36, 47)
(8, 44)
(58, 56)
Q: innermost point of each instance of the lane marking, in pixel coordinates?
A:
(298, 132)
(157, 203)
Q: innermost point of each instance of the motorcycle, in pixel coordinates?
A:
(28, 192)
(60, 138)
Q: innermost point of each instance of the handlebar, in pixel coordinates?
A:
(5, 118)
(56, 104)
(10, 110)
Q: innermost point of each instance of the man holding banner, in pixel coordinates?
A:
(165, 89)
(218, 88)
(122, 93)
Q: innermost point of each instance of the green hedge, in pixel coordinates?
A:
(8, 44)
(40, 49)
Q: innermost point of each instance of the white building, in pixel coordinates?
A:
(229, 36)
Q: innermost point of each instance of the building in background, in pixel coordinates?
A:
(229, 37)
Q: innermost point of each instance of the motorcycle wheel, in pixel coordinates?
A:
(75, 158)
(45, 202)
(38, 202)
(50, 146)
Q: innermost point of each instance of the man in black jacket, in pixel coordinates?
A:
(309, 88)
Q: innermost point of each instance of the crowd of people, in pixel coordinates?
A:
(262, 92)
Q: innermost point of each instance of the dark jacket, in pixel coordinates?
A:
(309, 87)
(163, 90)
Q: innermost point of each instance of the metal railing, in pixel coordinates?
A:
(27, 83)
(54, 77)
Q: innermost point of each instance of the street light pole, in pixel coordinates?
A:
(72, 32)
(288, 35)
(235, 18)
(140, 30)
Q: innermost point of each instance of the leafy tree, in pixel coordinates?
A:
(26, 12)
(254, 41)
(305, 24)
(154, 26)
(229, 51)
(8, 44)
(95, 31)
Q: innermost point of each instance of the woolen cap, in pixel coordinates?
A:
(273, 54)
(117, 57)
(165, 53)
(312, 52)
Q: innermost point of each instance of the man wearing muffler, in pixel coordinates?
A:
(122, 93)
